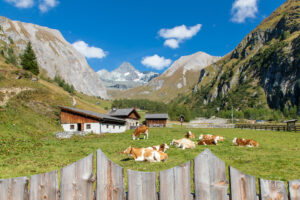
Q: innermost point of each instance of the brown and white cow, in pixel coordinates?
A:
(141, 130)
(209, 136)
(245, 142)
(183, 143)
(144, 154)
(208, 142)
(190, 135)
(162, 147)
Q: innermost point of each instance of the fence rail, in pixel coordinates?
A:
(209, 172)
(273, 127)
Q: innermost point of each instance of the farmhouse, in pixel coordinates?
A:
(73, 119)
(130, 115)
(156, 120)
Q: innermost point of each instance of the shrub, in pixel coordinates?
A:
(61, 83)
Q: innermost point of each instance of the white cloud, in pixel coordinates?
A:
(172, 43)
(156, 62)
(178, 34)
(243, 9)
(46, 5)
(21, 3)
(87, 51)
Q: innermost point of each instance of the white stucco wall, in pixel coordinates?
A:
(67, 127)
(131, 122)
(111, 128)
(95, 128)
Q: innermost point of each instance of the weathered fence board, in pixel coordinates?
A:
(209, 177)
(141, 185)
(294, 189)
(175, 183)
(242, 186)
(110, 179)
(272, 190)
(44, 186)
(14, 189)
(77, 180)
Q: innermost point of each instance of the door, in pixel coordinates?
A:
(78, 127)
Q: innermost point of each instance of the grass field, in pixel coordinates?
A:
(277, 158)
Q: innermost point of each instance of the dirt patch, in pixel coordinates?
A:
(7, 93)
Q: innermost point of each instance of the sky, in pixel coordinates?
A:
(151, 35)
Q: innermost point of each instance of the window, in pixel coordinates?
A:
(72, 127)
(88, 126)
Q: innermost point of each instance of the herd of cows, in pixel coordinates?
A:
(158, 153)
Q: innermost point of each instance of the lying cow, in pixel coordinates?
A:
(208, 142)
(144, 154)
(141, 130)
(183, 143)
(245, 142)
(209, 136)
(190, 135)
(161, 148)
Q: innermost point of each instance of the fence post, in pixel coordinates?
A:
(272, 190)
(14, 188)
(242, 186)
(175, 183)
(209, 177)
(110, 179)
(77, 180)
(294, 189)
(141, 185)
(44, 186)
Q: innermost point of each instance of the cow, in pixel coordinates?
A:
(209, 136)
(144, 154)
(183, 143)
(245, 142)
(190, 135)
(141, 130)
(208, 142)
(162, 147)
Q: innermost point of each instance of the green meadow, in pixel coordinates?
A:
(277, 157)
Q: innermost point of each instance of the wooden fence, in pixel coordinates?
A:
(209, 172)
(273, 127)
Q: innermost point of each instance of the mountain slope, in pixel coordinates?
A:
(263, 71)
(54, 54)
(125, 77)
(179, 78)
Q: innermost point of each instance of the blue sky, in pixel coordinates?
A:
(149, 34)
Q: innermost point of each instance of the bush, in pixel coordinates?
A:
(61, 82)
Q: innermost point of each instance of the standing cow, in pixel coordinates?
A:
(142, 130)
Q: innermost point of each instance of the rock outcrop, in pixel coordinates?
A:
(54, 54)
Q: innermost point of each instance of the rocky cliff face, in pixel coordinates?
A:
(262, 71)
(178, 79)
(125, 77)
(54, 54)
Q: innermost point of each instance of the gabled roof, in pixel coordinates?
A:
(91, 114)
(124, 112)
(157, 116)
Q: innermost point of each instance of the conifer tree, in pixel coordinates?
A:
(28, 60)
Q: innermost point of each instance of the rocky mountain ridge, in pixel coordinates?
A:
(54, 55)
(125, 77)
(177, 79)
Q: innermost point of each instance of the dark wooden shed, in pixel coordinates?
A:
(156, 120)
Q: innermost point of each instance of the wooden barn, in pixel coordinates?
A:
(156, 120)
(73, 119)
(130, 115)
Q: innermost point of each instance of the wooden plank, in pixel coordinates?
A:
(14, 189)
(209, 177)
(110, 179)
(77, 180)
(272, 190)
(294, 189)
(242, 186)
(44, 186)
(175, 183)
(141, 185)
